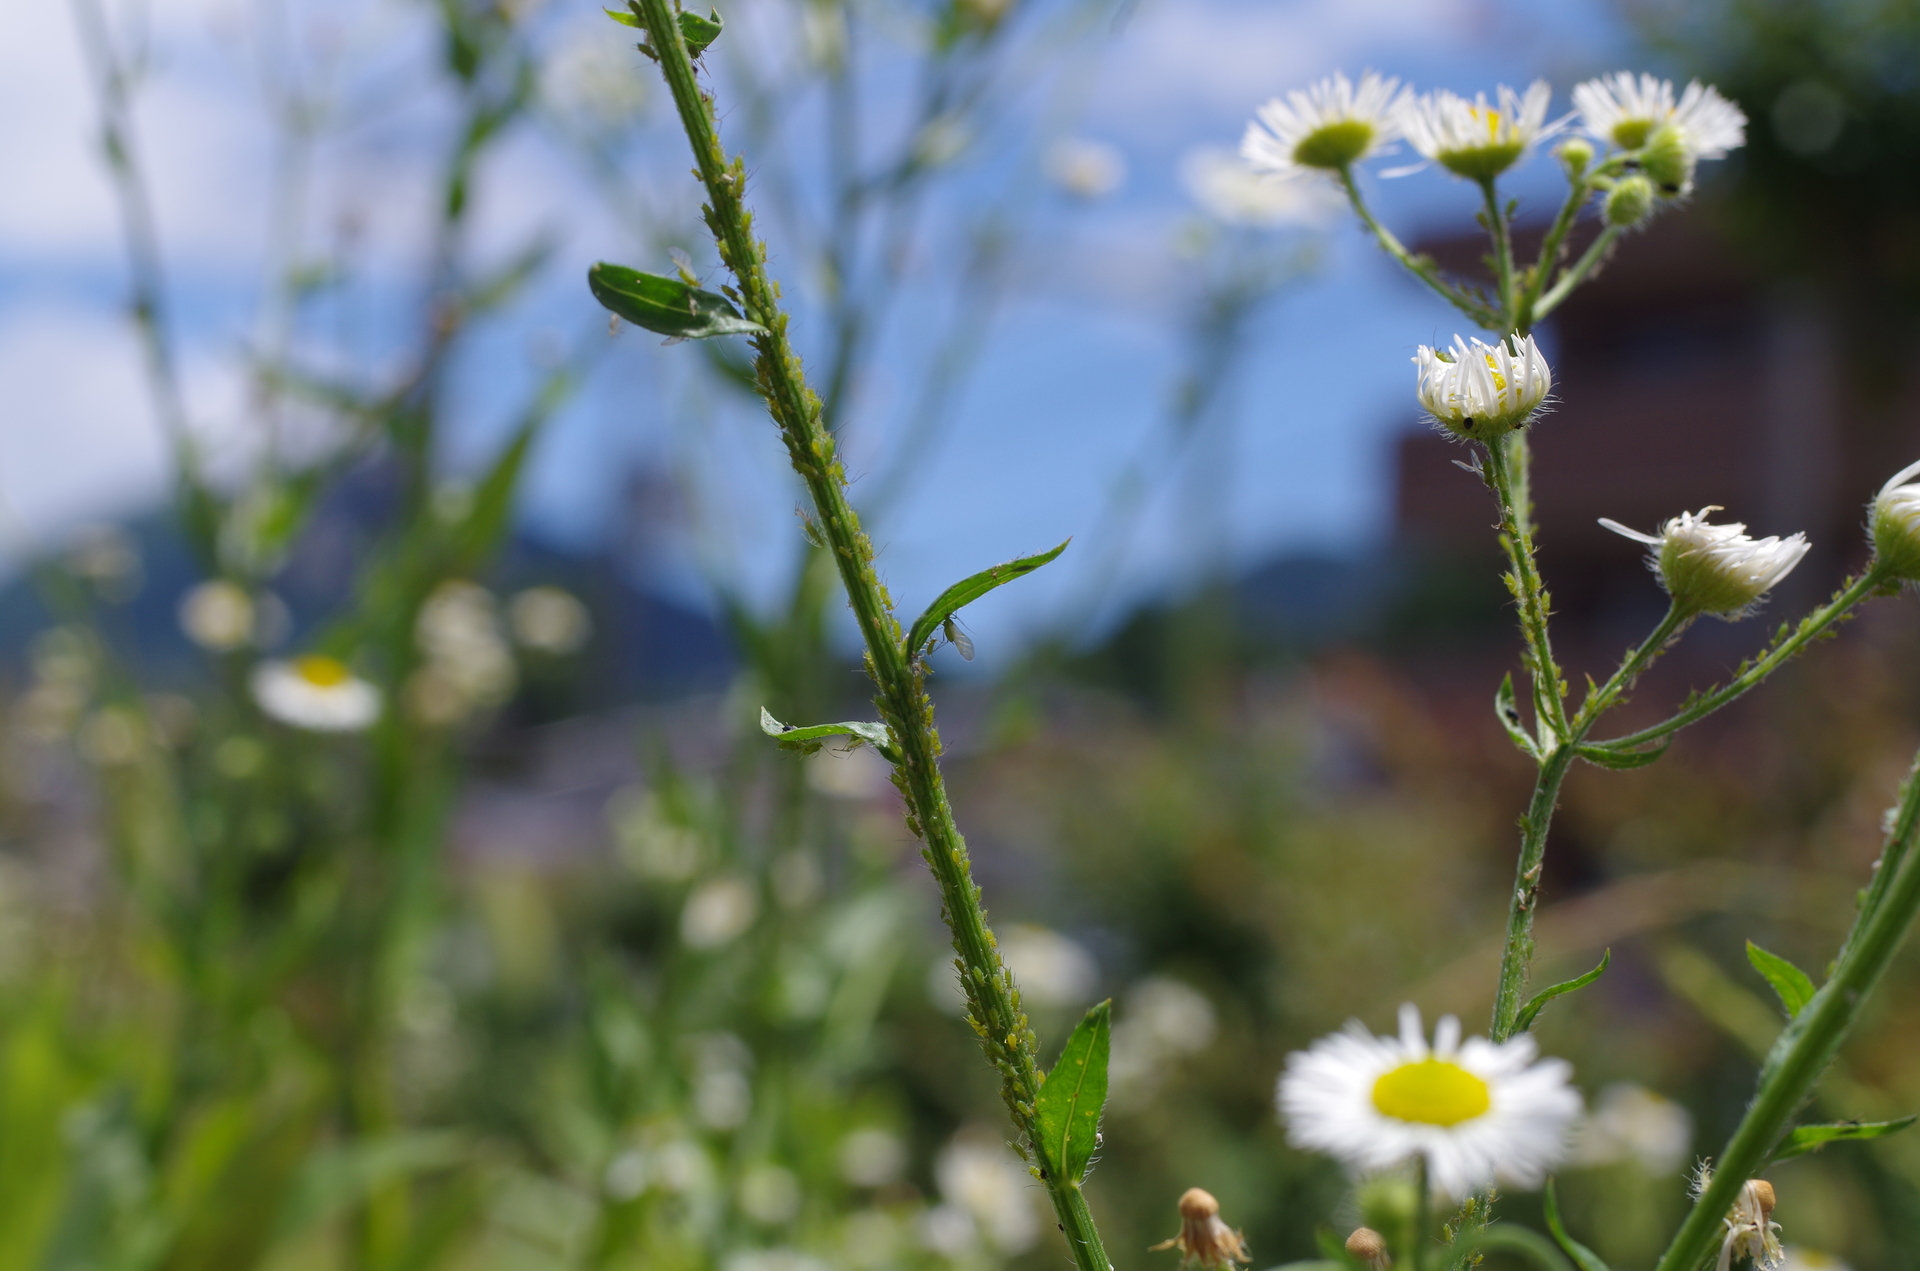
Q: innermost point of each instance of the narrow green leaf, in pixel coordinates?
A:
(1607, 757)
(666, 306)
(624, 19)
(1788, 980)
(811, 738)
(1509, 714)
(968, 590)
(1811, 1138)
(1073, 1097)
(1583, 1257)
(1531, 1010)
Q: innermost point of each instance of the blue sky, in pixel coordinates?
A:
(1073, 376)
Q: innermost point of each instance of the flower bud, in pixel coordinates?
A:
(1895, 524)
(1575, 154)
(1369, 1246)
(1715, 569)
(1482, 391)
(1629, 202)
(1668, 161)
(1203, 1238)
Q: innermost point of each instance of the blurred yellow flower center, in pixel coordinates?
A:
(321, 671)
(1432, 1092)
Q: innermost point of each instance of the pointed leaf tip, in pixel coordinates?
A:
(666, 306)
(1531, 1011)
(1073, 1097)
(970, 589)
(1794, 987)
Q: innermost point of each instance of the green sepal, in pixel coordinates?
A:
(1067, 1111)
(807, 740)
(1583, 1257)
(1607, 757)
(1792, 984)
(1509, 715)
(970, 589)
(666, 306)
(1811, 1138)
(1528, 1013)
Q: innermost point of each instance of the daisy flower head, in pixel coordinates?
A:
(1475, 139)
(1482, 391)
(1640, 113)
(1328, 127)
(1716, 569)
(317, 693)
(1895, 522)
(1475, 1111)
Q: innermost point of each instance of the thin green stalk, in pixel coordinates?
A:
(993, 999)
(1811, 628)
(1809, 1042)
(1523, 314)
(1502, 254)
(1508, 479)
(1577, 274)
(1420, 267)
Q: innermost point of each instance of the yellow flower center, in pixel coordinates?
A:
(1432, 1092)
(321, 671)
(1499, 380)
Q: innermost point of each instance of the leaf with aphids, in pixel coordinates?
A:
(1792, 984)
(1531, 1011)
(1509, 713)
(1067, 1111)
(1811, 1138)
(698, 32)
(1608, 757)
(814, 736)
(666, 306)
(970, 589)
(1583, 1257)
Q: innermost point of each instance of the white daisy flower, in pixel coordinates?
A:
(1328, 127)
(1234, 194)
(1715, 569)
(1626, 111)
(1473, 139)
(1475, 1111)
(1896, 524)
(1480, 391)
(316, 692)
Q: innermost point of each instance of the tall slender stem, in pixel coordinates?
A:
(1420, 267)
(1502, 254)
(1507, 476)
(992, 998)
(1550, 248)
(1810, 1041)
(1577, 274)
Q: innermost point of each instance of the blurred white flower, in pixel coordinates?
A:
(1715, 569)
(859, 773)
(217, 615)
(315, 692)
(772, 1260)
(646, 841)
(1050, 969)
(1481, 391)
(1328, 127)
(549, 620)
(1234, 194)
(1632, 1123)
(1160, 1020)
(595, 79)
(1477, 1111)
(458, 629)
(625, 1176)
(717, 911)
(872, 1157)
(1627, 110)
(1474, 139)
(871, 1238)
(770, 1195)
(988, 1183)
(722, 1098)
(1085, 169)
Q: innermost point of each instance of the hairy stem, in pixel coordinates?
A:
(1506, 475)
(1550, 247)
(1809, 1042)
(1577, 273)
(1420, 267)
(1502, 254)
(992, 998)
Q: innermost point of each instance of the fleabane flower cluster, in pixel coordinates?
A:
(1641, 113)
(1477, 139)
(1482, 391)
(1328, 127)
(1474, 1111)
(1895, 522)
(1715, 569)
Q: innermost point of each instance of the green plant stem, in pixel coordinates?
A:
(993, 999)
(1577, 273)
(1506, 474)
(1809, 1042)
(1523, 314)
(1420, 267)
(1784, 649)
(1502, 254)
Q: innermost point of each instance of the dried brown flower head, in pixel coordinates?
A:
(1203, 1238)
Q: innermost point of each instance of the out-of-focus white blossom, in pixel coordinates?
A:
(549, 620)
(1632, 1123)
(1328, 127)
(1051, 969)
(718, 911)
(1233, 193)
(468, 665)
(985, 1182)
(770, 1194)
(218, 615)
(872, 1157)
(1085, 169)
(1715, 569)
(315, 692)
(1476, 139)
(1626, 110)
(1482, 391)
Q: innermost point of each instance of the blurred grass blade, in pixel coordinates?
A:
(1074, 1096)
(336, 1178)
(1532, 1009)
(970, 589)
(1583, 1257)
(811, 738)
(1789, 981)
(1811, 1138)
(666, 306)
